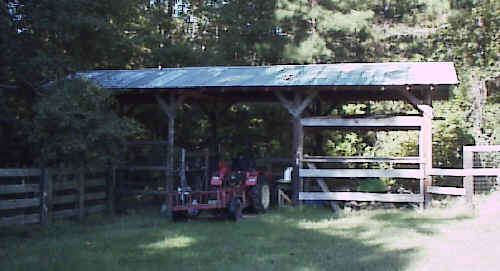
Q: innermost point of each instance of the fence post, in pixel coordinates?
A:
(206, 177)
(111, 184)
(81, 194)
(468, 163)
(45, 196)
(425, 150)
(50, 194)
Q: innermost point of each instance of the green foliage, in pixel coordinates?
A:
(41, 41)
(74, 123)
(349, 144)
(450, 132)
(58, 37)
(491, 128)
(257, 129)
(472, 38)
(324, 32)
(372, 185)
(397, 144)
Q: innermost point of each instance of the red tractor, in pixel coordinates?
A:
(231, 190)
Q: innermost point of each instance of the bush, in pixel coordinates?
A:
(373, 186)
(75, 123)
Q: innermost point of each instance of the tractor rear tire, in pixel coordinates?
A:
(260, 195)
(235, 209)
(178, 216)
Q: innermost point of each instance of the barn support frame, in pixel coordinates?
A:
(295, 105)
(170, 109)
(295, 86)
(423, 123)
(295, 108)
(425, 136)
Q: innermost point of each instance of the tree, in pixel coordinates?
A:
(74, 123)
(472, 42)
(61, 37)
(325, 32)
(41, 41)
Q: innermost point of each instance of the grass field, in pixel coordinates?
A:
(288, 239)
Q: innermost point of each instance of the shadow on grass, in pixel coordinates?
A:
(274, 241)
(418, 222)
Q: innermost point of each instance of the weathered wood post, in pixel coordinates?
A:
(111, 188)
(427, 113)
(207, 169)
(81, 193)
(170, 109)
(425, 137)
(426, 147)
(295, 109)
(468, 163)
(298, 149)
(46, 196)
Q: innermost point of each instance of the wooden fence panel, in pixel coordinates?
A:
(19, 220)
(65, 213)
(65, 199)
(453, 191)
(58, 186)
(362, 173)
(19, 188)
(19, 203)
(26, 172)
(360, 196)
(95, 182)
(51, 196)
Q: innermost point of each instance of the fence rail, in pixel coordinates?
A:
(441, 190)
(465, 172)
(468, 173)
(40, 195)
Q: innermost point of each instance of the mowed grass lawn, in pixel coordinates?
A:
(288, 239)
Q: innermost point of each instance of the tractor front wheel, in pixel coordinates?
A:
(178, 216)
(235, 209)
(260, 195)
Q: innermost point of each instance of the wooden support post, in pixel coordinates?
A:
(298, 148)
(81, 194)
(170, 160)
(182, 170)
(414, 101)
(46, 197)
(468, 163)
(425, 148)
(424, 194)
(111, 189)
(295, 109)
(206, 173)
(170, 109)
(214, 144)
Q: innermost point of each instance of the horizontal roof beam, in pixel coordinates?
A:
(408, 122)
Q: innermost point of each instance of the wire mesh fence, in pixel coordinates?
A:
(485, 157)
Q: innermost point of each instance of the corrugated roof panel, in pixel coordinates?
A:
(348, 74)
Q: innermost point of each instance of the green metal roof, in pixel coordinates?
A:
(346, 74)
